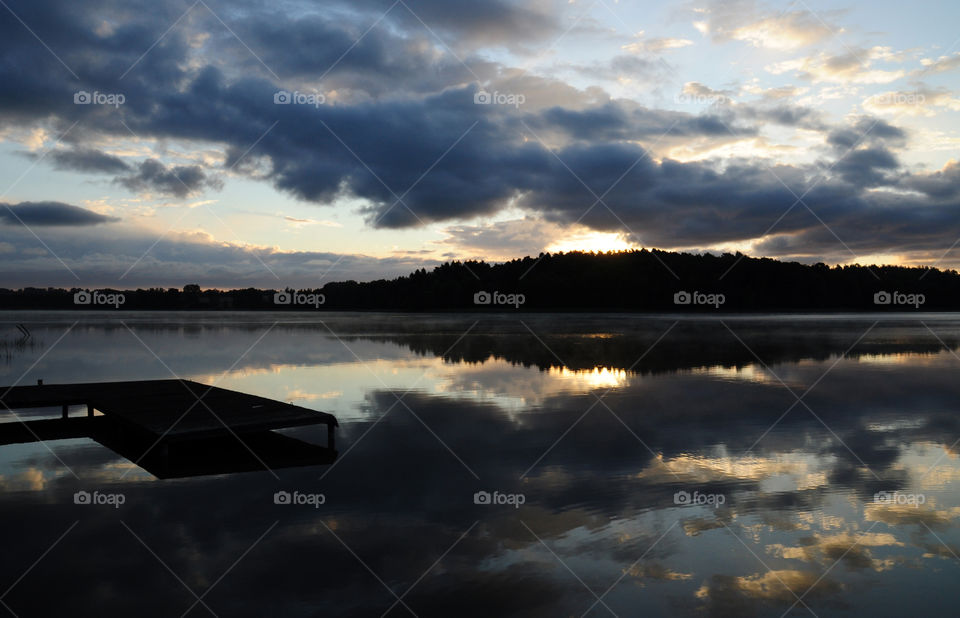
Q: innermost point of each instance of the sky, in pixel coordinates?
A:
(272, 144)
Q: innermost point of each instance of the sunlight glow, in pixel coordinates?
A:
(591, 241)
(591, 378)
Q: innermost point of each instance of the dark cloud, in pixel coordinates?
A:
(866, 167)
(179, 181)
(511, 23)
(866, 130)
(786, 115)
(87, 160)
(50, 213)
(380, 62)
(942, 184)
(619, 121)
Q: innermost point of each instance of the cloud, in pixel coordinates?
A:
(943, 184)
(624, 68)
(941, 64)
(775, 93)
(789, 31)
(133, 256)
(302, 222)
(743, 20)
(866, 131)
(490, 23)
(696, 92)
(657, 45)
(786, 115)
(727, 595)
(50, 214)
(502, 239)
(854, 66)
(866, 167)
(179, 181)
(618, 123)
(852, 550)
(87, 160)
(906, 515)
(657, 572)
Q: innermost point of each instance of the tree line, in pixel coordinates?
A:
(637, 280)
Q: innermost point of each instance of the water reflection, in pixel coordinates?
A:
(230, 454)
(599, 431)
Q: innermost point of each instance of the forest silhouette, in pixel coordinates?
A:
(638, 280)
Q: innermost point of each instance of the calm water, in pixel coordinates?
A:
(644, 466)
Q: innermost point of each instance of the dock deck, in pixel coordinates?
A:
(172, 409)
(167, 414)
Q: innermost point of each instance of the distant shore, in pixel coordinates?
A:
(639, 281)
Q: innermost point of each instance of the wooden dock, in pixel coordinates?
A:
(172, 427)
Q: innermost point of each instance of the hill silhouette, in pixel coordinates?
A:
(639, 280)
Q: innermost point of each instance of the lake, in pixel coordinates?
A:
(507, 465)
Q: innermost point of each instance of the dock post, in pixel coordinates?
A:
(66, 410)
(330, 431)
(89, 410)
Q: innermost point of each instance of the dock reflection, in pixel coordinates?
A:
(224, 454)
